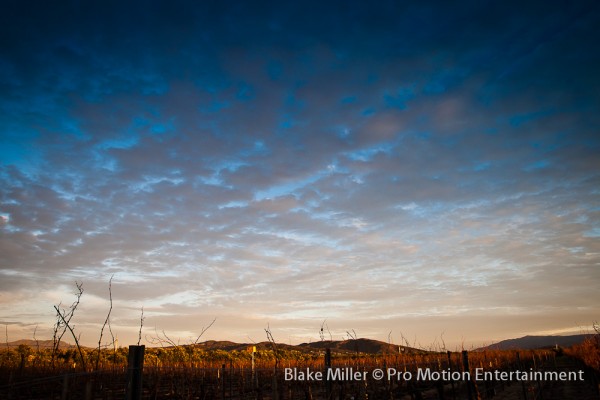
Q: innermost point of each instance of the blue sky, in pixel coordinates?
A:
(431, 169)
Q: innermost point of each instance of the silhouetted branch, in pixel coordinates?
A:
(204, 330)
(63, 320)
(273, 345)
(141, 326)
(106, 320)
(62, 317)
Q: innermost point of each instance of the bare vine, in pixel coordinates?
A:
(106, 321)
(141, 326)
(67, 326)
(204, 330)
(273, 345)
(63, 318)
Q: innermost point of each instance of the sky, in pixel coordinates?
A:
(422, 172)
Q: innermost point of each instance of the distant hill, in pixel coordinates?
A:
(368, 346)
(232, 346)
(41, 344)
(537, 342)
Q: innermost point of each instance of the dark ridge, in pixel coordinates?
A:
(43, 344)
(536, 342)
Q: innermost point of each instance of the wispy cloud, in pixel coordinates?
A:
(408, 168)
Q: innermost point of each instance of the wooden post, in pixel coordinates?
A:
(275, 387)
(520, 366)
(88, 390)
(449, 354)
(10, 387)
(135, 366)
(223, 382)
(65, 388)
(465, 355)
(327, 374)
(254, 377)
(230, 376)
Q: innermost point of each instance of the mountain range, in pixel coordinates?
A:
(360, 345)
(537, 342)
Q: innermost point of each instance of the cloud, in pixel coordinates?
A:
(382, 167)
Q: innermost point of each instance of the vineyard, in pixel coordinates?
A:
(190, 372)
